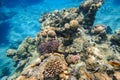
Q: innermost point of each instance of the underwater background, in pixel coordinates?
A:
(19, 19)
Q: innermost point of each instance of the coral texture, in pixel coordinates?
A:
(48, 47)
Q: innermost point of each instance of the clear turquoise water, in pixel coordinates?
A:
(19, 18)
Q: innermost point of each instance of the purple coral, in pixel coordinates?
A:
(48, 47)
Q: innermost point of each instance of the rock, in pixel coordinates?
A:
(11, 53)
(115, 39)
(98, 29)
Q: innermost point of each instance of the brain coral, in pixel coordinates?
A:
(74, 23)
(47, 47)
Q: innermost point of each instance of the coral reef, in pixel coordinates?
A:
(53, 67)
(69, 47)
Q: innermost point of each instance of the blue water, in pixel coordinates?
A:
(19, 18)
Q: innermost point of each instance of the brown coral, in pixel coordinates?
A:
(43, 33)
(56, 67)
(51, 33)
(74, 24)
(53, 67)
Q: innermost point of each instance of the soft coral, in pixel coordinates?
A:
(48, 47)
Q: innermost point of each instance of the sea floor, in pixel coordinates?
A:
(18, 22)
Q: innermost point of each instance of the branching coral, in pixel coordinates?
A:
(53, 68)
(56, 67)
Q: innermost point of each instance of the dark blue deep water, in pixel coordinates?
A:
(19, 18)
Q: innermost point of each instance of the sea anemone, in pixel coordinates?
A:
(48, 47)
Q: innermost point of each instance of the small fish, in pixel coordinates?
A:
(115, 64)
